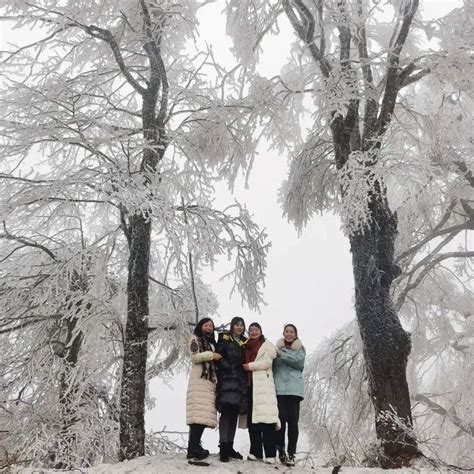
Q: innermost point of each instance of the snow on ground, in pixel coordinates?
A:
(177, 463)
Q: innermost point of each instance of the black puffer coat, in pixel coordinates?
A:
(231, 388)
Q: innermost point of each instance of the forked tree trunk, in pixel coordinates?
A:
(386, 344)
(132, 397)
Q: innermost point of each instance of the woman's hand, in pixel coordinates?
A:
(246, 367)
(216, 356)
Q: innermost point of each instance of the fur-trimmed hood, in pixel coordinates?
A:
(296, 345)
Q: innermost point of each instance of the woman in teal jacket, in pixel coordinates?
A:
(289, 385)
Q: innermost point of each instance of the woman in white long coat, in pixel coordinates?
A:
(262, 415)
(201, 394)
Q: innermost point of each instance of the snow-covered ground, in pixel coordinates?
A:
(177, 463)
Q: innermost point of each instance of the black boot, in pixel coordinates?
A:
(224, 449)
(233, 453)
(195, 450)
(282, 455)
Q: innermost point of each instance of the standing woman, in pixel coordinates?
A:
(201, 393)
(288, 372)
(231, 399)
(262, 416)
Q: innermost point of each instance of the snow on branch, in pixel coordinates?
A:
(248, 23)
(231, 233)
(312, 184)
(359, 179)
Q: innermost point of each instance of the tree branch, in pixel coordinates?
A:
(304, 28)
(108, 37)
(429, 266)
(27, 242)
(450, 414)
(392, 81)
(438, 231)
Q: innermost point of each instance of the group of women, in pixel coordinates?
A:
(252, 383)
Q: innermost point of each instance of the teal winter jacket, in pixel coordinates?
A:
(288, 369)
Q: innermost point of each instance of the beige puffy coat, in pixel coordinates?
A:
(265, 406)
(201, 393)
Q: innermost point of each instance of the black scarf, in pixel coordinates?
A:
(207, 343)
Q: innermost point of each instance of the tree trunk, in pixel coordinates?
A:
(132, 397)
(67, 400)
(386, 344)
(68, 391)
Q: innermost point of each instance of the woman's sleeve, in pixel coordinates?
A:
(196, 356)
(266, 361)
(222, 364)
(294, 359)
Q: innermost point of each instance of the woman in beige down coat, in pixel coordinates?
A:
(201, 393)
(262, 416)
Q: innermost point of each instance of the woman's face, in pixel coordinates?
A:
(254, 332)
(239, 328)
(289, 334)
(208, 328)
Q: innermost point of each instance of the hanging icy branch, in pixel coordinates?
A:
(312, 185)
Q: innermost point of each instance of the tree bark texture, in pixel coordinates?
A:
(386, 344)
(138, 233)
(67, 399)
(132, 397)
(70, 353)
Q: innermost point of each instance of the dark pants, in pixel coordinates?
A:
(289, 413)
(228, 424)
(195, 434)
(262, 435)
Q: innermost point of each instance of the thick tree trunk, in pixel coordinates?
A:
(132, 397)
(386, 344)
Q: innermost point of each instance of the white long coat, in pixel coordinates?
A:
(201, 393)
(265, 406)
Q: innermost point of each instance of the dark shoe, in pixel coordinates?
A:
(233, 453)
(290, 460)
(204, 452)
(195, 449)
(282, 456)
(197, 454)
(224, 449)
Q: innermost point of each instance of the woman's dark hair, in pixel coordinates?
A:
(198, 329)
(236, 320)
(256, 325)
(292, 326)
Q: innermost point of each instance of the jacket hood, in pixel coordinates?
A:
(227, 336)
(296, 344)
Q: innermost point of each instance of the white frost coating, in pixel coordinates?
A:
(312, 185)
(358, 179)
(247, 23)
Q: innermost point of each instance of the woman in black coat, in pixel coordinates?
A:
(231, 391)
